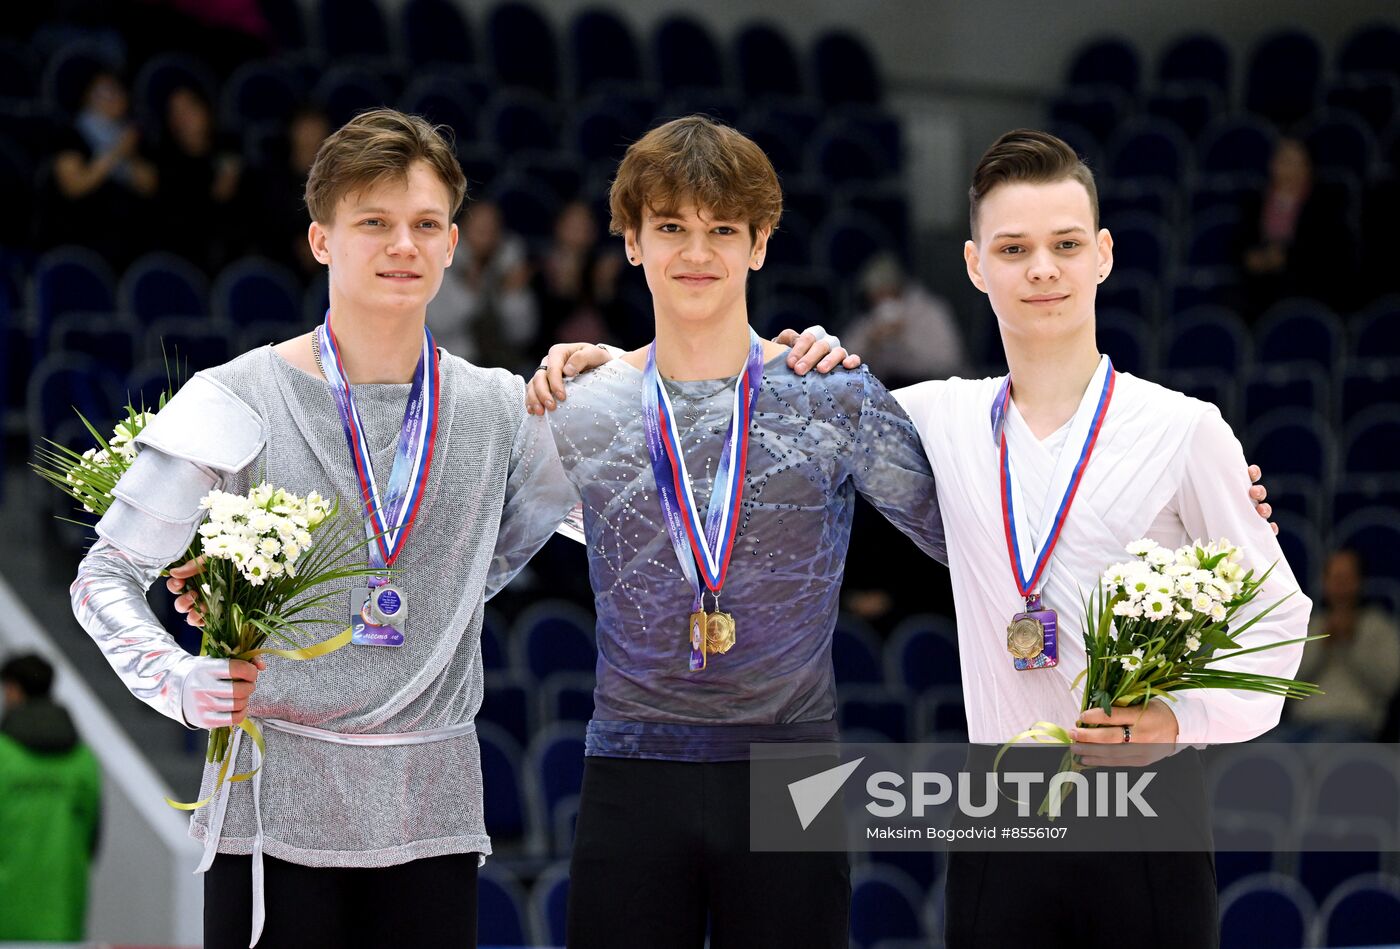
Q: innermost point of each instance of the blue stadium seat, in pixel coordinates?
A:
(285, 21)
(1301, 543)
(1290, 442)
(448, 97)
(815, 287)
(1265, 387)
(504, 798)
(436, 31)
(940, 714)
(600, 129)
(1197, 57)
(1206, 338)
(887, 204)
(253, 289)
(848, 241)
(188, 342)
(1282, 80)
(549, 905)
(1259, 781)
(509, 704)
(1299, 331)
(567, 697)
(70, 280)
(1374, 533)
(560, 173)
(352, 28)
(528, 206)
(1375, 99)
(553, 636)
(1375, 330)
(70, 69)
(843, 154)
(844, 70)
(1340, 141)
(493, 632)
(1087, 145)
(1128, 340)
(1140, 243)
(686, 55)
(877, 708)
(110, 340)
(1371, 442)
(19, 71)
(1131, 292)
(1107, 61)
(1352, 785)
(1361, 912)
(480, 163)
(1222, 191)
(1359, 492)
(345, 91)
(159, 77)
(161, 284)
(1154, 196)
(517, 120)
(1245, 845)
(151, 379)
(501, 907)
(922, 653)
(564, 823)
(554, 770)
(1200, 288)
(885, 904)
(59, 385)
(719, 104)
(855, 651)
(1331, 853)
(765, 62)
(1366, 383)
(1214, 240)
(259, 93)
(1371, 48)
(776, 312)
(1215, 386)
(522, 49)
(1268, 909)
(259, 333)
(604, 51)
(1238, 145)
(1149, 149)
(1098, 110)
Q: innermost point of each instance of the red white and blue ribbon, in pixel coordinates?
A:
(1029, 561)
(712, 545)
(389, 519)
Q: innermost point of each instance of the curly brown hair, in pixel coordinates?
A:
(699, 161)
(375, 146)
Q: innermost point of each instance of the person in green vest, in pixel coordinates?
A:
(50, 792)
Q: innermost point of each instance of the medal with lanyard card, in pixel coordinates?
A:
(379, 611)
(1032, 636)
(711, 545)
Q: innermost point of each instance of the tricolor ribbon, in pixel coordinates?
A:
(712, 546)
(1018, 545)
(389, 521)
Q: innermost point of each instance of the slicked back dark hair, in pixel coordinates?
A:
(1033, 157)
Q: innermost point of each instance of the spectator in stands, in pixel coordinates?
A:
(104, 181)
(198, 180)
(273, 194)
(486, 312)
(1294, 242)
(908, 334)
(49, 806)
(1357, 665)
(577, 280)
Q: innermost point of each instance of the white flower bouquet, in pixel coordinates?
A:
(1156, 625)
(263, 554)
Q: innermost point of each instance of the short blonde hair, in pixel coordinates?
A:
(374, 146)
(696, 159)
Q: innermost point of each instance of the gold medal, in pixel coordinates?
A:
(1025, 638)
(719, 633)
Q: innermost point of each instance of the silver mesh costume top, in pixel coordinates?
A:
(815, 442)
(326, 804)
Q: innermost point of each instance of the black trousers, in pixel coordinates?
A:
(429, 902)
(662, 852)
(1164, 900)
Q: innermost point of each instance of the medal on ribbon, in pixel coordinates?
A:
(708, 546)
(379, 614)
(1031, 637)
